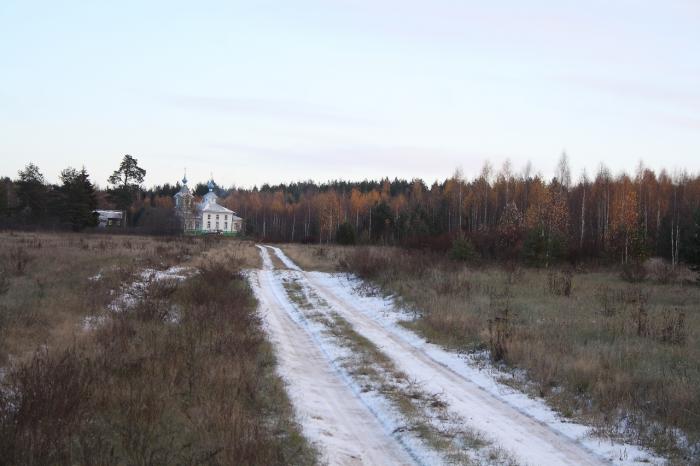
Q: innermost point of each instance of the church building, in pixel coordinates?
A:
(206, 216)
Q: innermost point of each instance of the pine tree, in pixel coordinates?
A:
(126, 182)
(31, 193)
(78, 199)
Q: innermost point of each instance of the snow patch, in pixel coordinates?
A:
(130, 295)
(285, 260)
(386, 312)
(91, 323)
(329, 407)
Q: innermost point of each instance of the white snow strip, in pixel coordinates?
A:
(524, 426)
(131, 294)
(330, 412)
(91, 323)
(285, 260)
(267, 261)
(173, 273)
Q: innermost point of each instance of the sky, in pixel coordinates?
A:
(267, 92)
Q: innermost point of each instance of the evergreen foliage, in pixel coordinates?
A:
(346, 234)
(31, 193)
(78, 199)
(126, 182)
(463, 250)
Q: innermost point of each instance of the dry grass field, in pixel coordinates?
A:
(324, 258)
(180, 373)
(622, 356)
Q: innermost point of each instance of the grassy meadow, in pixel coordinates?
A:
(624, 357)
(180, 374)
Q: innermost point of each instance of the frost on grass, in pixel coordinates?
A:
(422, 419)
(131, 294)
(505, 385)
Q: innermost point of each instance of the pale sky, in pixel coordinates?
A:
(266, 91)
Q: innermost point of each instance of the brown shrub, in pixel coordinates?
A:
(559, 283)
(46, 407)
(672, 328)
(17, 261)
(660, 270)
(500, 333)
(633, 272)
(143, 388)
(366, 263)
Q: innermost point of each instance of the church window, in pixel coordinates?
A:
(208, 225)
(209, 216)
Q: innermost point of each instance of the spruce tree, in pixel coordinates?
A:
(31, 193)
(346, 234)
(78, 199)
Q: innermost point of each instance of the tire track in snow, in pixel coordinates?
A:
(346, 432)
(528, 439)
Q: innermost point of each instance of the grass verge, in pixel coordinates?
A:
(142, 387)
(622, 357)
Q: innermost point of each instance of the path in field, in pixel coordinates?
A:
(507, 425)
(345, 430)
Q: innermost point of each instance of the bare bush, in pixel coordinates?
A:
(17, 261)
(46, 406)
(673, 329)
(500, 333)
(140, 388)
(366, 263)
(633, 272)
(155, 301)
(614, 300)
(559, 283)
(660, 270)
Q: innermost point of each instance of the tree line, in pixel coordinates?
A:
(29, 201)
(499, 214)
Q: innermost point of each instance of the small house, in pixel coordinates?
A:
(110, 218)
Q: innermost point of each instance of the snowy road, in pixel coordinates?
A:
(345, 430)
(351, 430)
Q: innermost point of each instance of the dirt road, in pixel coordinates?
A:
(351, 427)
(346, 431)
